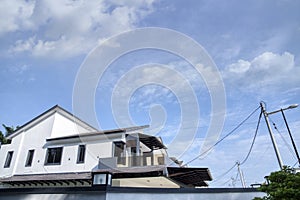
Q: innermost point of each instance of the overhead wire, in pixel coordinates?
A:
(227, 181)
(219, 141)
(295, 164)
(222, 175)
(236, 178)
(228, 134)
(284, 140)
(249, 152)
(252, 144)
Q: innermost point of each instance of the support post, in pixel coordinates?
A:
(241, 175)
(288, 128)
(271, 135)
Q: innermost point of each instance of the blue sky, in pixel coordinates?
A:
(254, 45)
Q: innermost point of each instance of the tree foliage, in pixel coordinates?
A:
(8, 130)
(282, 185)
(3, 140)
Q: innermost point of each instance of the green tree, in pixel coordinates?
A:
(282, 185)
(8, 130)
(3, 140)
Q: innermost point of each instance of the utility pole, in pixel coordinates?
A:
(288, 128)
(241, 175)
(271, 135)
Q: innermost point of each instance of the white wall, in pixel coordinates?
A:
(35, 138)
(64, 126)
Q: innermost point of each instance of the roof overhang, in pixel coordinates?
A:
(105, 133)
(79, 178)
(151, 142)
(190, 176)
(186, 177)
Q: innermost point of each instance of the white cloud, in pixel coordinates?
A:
(239, 67)
(269, 71)
(15, 15)
(22, 45)
(67, 28)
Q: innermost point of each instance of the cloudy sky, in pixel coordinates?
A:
(254, 45)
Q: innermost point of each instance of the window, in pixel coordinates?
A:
(8, 159)
(29, 158)
(81, 154)
(119, 151)
(53, 156)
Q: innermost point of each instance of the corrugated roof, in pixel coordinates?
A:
(151, 141)
(190, 176)
(48, 177)
(80, 178)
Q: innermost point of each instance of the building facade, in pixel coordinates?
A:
(57, 149)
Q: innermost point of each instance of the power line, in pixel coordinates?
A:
(295, 164)
(285, 142)
(252, 144)
(232, 131)
(245, 159)
(222, 175)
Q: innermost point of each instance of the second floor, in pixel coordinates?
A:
(35, 149)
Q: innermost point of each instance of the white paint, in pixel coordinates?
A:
(64, 126)
(19, 152)
(57, 123)
(50, 125)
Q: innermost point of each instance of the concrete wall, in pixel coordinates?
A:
(54, 197)
(132, 193)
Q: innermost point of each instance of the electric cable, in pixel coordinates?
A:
(227, 182)
(236, 178)
(284, 140)
(252, 144)
(228, 134)
(295, 164)
(222, 175)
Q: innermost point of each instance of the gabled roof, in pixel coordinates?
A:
(48, 113)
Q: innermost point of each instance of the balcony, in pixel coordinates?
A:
(132, 161)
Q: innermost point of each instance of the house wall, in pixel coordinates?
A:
(64, 126)
(34, 138)
(3, 154)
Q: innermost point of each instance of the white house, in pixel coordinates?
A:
(57, 149)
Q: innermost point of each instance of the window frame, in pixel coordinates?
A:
(47, 156)
(8, 159)
(29, 158)
(79, 161)
(117, 146)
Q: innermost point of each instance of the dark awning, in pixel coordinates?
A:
(46, 179)
(190, 176)
(151, 142)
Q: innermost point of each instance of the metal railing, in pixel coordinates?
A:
(131, 161)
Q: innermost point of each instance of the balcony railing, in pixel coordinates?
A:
(132, 161)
